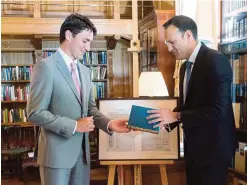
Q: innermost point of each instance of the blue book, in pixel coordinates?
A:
(138, 120)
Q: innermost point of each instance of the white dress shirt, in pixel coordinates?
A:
(68, 61)
(191, 59)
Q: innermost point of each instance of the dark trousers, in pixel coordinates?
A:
(215, 174)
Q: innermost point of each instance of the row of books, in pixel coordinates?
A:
(235, 28)
(240, 115)
(17, 137)
(99, 89)
(16, 73)
(234, 46)
(239, 161)
(239, 66)
(239, 89)
(47, 53)
(50, 44)
(14, 93)
(16, 58)
(13, 115)
(98, 73)
(91, 57)
(231, 5)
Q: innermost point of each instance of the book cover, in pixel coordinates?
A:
(138, 120)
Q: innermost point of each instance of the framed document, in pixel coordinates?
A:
(137, 145)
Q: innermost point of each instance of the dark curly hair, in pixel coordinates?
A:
(76, 23)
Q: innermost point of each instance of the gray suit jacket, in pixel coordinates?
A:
(54, 105)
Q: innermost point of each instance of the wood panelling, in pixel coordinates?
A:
(122, 69)
(44, 26)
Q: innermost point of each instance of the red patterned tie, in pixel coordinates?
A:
(74, 72)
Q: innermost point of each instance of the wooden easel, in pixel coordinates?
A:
(137, 169)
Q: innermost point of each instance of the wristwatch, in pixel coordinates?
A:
(178, 116)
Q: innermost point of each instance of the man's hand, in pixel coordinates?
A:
(164, 116)
(119, 126)
(85, 124)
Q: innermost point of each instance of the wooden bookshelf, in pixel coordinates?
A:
(100, 80)
(233, 44)
(16, 81)
(232, 40)
(16, 65)
(95, 65)
(154, 55)
(20, 101)
(239, 11)
(237, 51)
(21, 124)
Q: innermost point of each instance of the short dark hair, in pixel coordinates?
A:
(76, 23)
(183, 23)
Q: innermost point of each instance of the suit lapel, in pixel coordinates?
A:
(181, 83)
(196, 67)
(83, 85)
(66, 73)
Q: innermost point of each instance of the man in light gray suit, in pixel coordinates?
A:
(61, 102)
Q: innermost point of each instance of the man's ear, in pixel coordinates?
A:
(68, 35)
(188, 34)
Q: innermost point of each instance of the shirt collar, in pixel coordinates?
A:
(66, 57)
(195, 53)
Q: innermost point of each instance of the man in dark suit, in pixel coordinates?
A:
(61, 102)
(205, 106)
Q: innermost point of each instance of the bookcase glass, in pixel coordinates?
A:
(233, 43)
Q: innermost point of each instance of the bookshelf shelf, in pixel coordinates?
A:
(100, 80)
(16, 81)
(49, 49)
(237, 12)
(232, 40)
(21, 101)
(234, 45)
(18, 49)
(21, 124)
(96, 65)
(238, 51)
(18, 65)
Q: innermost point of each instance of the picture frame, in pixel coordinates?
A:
(137, 145)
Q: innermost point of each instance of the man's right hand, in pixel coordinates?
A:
(85, 124)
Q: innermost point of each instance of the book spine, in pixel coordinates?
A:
(143, 129)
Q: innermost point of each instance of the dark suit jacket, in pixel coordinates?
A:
(207, 114)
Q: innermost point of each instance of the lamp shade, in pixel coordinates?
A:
(152, 84)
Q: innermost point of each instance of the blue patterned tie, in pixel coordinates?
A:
(188, 73)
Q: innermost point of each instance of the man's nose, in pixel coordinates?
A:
(169, 46)
(87, 47)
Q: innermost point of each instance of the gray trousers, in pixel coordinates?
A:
(78, 175)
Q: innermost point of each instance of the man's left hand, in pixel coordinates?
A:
(119, 125)
(163, 116)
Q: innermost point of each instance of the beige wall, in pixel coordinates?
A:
(207, 16)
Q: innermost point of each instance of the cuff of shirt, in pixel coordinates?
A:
(75, 127)
(111, 132)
